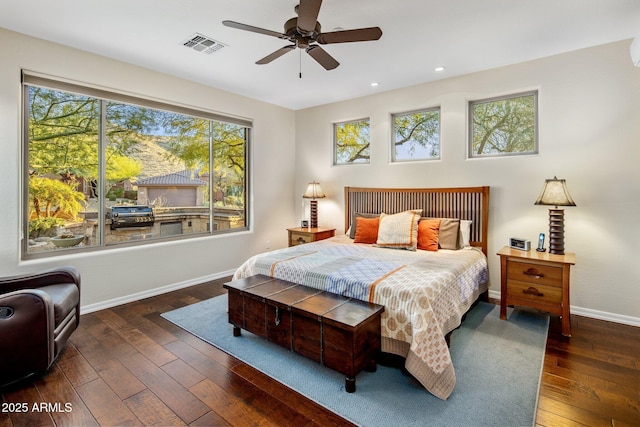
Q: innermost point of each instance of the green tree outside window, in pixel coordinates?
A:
(351, 142)
(504, 126)
(416, 135)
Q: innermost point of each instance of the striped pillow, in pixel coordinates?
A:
(399, 231)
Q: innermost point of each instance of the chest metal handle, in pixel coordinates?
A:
(277, 321)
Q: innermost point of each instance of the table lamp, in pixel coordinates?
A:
(555, 193)
(314, 191)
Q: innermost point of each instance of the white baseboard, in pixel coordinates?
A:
(603, 315)
(494, 294)
(586, 312)
(594, 314)
(152, 292)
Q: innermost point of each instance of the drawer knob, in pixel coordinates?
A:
(300, 240)
(533, 273)
(533, 291)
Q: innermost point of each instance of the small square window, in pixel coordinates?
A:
(351, 142)
(416, 135)
(502, 126)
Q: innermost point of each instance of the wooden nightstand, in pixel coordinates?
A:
(300, 235)
(536, 279)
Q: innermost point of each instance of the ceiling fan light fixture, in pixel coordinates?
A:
(303, 42)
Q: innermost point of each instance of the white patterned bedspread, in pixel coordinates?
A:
(424, 294)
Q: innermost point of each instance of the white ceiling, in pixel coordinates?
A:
(463, 35)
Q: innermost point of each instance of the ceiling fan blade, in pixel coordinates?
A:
(275, 55)
(348, 36)
(322, 57)
(308, 11)
(245, 27)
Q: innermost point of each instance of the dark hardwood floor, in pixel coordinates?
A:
(592, 378)
(129, 366)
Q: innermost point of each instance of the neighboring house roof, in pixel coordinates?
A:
(182, 178)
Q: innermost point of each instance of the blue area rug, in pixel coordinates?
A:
(498, 365)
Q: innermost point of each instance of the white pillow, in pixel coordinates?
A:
(465, 233)
(399, 231)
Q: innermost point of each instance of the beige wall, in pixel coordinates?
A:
(589, 135)
(589, 121)
(116, 275)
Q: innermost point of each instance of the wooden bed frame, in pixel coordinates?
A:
(471, 203)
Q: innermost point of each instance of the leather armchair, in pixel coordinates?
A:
(38, 313)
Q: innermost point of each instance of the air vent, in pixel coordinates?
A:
(203, 44)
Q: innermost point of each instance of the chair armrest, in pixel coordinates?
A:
(43, 278)
(27, 342)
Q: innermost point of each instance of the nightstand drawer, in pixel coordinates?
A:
(536, 274)
(300, 238)
(534, 293)
(536, 279)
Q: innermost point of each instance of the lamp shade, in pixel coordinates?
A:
(555, 193)
(314, 191)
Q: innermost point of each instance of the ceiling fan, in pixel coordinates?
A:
(304, 32)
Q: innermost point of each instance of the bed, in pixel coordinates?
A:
(425, 292)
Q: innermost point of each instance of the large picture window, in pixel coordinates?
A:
(416, 135)
(504, 126)
(105, 169)
(351, 142)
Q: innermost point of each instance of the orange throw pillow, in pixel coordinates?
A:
(428, 231)
(366, 230)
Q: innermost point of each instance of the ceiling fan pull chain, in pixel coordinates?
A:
(300, 63)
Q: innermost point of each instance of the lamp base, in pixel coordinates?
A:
(556, 231)
(313, 208)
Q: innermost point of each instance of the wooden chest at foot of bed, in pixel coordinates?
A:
(338, 332)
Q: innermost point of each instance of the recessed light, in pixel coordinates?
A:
(439, 68)
(374, 84)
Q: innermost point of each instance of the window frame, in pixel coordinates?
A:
(470, 149)
(393, 135)
(30, 79)
(335, 142)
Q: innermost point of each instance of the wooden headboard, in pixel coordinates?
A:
(470, 203)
